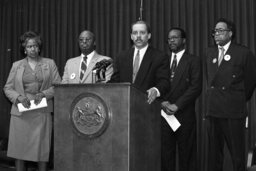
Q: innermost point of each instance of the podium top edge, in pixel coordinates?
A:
(95, 84)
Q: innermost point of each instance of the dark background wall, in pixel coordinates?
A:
(60, 21)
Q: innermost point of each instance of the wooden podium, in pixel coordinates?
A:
(105, 127)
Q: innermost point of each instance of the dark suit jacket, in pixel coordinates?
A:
(153, 71)
(231, 84)
(186, 87)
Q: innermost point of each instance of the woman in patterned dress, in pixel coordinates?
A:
(31, 78)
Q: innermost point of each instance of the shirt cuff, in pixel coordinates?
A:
(158, 93)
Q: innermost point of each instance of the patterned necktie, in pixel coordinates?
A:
(136, 65)
(83, 67)
(221, 55)
(173, 67)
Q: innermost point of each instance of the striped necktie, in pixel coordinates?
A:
(83, 67)
(136, 66)
(222, 50)
(173, 67)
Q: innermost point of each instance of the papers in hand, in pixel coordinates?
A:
(33, 106)
(171, 120)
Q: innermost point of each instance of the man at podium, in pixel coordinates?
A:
(144, 66)
(89, 67)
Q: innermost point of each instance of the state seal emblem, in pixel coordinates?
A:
(89, 115)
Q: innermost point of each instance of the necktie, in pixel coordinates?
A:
(221, 55)
(173, 67)
(136, 65)
(83, 67)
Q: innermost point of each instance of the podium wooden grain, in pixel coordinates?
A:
(131, 141)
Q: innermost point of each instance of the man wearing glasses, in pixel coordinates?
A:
(230, 80)
(80, 70)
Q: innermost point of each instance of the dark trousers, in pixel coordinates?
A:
(185, 139)
(233, 132)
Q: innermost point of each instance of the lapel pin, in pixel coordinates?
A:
(227, 57)
(72, 76)
(214, 60)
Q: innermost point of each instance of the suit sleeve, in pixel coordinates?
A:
(65, 77)
(163, 75)
(195, 87)
(115, 77)
(54, 79)
(250, 74)
(109, 72)
(9, 90)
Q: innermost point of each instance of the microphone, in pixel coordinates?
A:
(103, 64)
(100, 69)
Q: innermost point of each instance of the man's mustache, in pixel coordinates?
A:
(138, 40)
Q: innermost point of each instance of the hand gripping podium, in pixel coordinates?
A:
(105, 127)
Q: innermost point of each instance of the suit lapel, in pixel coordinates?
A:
(227, 59)
(127, 65)
(92, 63)
(76, 68)
(45, 71)
(212, 63)
(20, 71)
(144, 66)
(179, 71)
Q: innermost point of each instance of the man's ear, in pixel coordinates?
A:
(230, 33)
(184, 41)
(149, 35)
(131, 37)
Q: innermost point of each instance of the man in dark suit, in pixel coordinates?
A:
(230, 77)
(180, 101)
(142, 65)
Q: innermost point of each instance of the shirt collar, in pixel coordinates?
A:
(142, 50)
(89, 56)
(178, 56)
(180, 53)
(226, 46)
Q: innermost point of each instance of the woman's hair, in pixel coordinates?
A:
(28, 36)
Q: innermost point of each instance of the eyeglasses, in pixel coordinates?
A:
(219, 31)
(173, 38)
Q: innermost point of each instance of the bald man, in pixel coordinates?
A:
(78, 70)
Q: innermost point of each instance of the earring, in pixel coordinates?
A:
(25, 52)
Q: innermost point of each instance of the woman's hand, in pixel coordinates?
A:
(38, 97)
(24, 101)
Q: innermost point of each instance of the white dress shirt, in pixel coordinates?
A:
(178, 56)
(226, 46)
(142, 53)
(89, 57)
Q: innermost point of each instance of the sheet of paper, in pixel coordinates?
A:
(33, 106)
(171, 120)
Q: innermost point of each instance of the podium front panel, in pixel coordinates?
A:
(93, 129)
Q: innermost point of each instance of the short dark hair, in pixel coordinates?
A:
(27, 36)
(230, 25)
(182, 31)
(141, 22)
